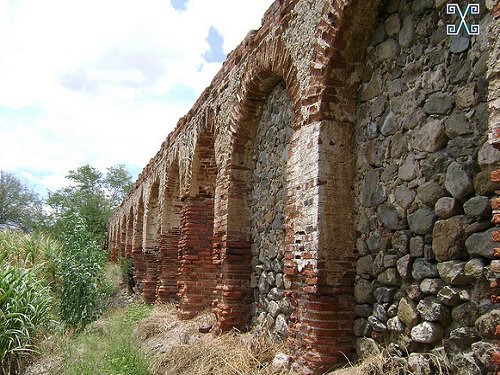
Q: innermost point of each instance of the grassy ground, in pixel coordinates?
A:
(106, 347)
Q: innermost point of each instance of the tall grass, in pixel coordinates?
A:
(24, 306)
(108, 346)
(27, 278)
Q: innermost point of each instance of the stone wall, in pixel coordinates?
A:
(332, 186)
(423, 190)
(272, 309)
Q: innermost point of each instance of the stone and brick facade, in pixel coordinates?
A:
(333, 185)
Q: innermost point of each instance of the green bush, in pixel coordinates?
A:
(82, 271)
(24, 306)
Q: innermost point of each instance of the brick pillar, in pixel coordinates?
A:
(197, 278)
(235, 294)
(232, 253)
(152, 260)
(169, 266)
(139, 264)
(121, 243)
(112, 244)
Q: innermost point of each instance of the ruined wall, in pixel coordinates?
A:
(423, 191)
(332, 186)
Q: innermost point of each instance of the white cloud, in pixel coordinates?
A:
(103, 82)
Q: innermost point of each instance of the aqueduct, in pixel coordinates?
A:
(330, 182)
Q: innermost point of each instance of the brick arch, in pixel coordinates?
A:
(197, 279)
(170, 209)
(269, 65)
(151, 243)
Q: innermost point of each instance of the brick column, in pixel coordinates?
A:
(112, 244)
(197, 277)
(232, 252)
(169, 266)
(138, 260)
(152, 260)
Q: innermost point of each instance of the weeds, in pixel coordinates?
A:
(24, 306)
(108, 347)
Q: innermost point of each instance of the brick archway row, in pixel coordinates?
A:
(185, 225)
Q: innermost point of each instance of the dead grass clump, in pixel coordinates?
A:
(385, 363)
(178, 348)
(228, 354)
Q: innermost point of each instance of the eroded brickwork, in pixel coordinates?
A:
(332, 185)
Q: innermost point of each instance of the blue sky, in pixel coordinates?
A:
(104, 82)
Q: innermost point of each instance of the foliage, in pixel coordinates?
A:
(82, 271)
(20, 207)
(24, 306)
(127, 273)
(30, 250)
(109, 347)
(92, 196)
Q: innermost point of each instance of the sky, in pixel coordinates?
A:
(103, 82)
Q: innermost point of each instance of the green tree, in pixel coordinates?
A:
(20, 207)
(118, 184)
(91, 196)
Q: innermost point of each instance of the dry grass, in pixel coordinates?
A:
(178, 348)
(385, 363)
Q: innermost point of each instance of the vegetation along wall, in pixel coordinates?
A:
(335, 185)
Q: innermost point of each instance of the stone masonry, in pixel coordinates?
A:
(336, 185)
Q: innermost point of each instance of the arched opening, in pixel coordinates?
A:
(137, 253)
(151, 245)
(253, 283)
(169, 246)
(197, 279)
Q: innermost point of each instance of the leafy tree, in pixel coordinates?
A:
(91, 196)
(20, 207)
(118, 183)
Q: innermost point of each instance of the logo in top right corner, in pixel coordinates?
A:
(472, 9)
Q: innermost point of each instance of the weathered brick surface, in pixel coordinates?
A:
(292, 189)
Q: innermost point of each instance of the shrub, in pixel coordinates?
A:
(24, 306)
(82, 271)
